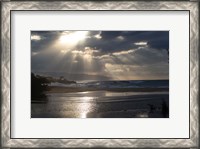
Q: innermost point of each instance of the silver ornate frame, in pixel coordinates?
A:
(8, 6)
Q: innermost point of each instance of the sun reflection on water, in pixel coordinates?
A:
(85, 106)
(84, 115)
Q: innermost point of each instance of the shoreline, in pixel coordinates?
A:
(71, 102)
(142, 106)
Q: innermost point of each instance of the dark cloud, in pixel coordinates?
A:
(130, 53)
(111, 41)
(47, 37)
(138, 57)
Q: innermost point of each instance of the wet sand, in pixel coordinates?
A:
(102, 104)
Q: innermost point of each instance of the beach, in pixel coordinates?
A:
(75, 102)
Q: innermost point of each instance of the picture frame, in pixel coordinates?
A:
(8, 7)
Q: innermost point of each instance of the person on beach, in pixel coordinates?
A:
(165, 109)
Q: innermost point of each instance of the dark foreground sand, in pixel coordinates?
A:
(104, 103)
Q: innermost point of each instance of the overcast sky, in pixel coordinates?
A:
(122, 55)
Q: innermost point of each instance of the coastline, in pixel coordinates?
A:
(103, 104)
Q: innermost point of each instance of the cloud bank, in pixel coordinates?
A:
(117, 54)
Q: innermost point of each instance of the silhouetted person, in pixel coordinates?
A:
(152, 108)
(165, 109)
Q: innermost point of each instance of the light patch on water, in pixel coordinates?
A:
(111, 94)
(84, 115)
(143, 115)
(84, 92)
(84, 107)
(86, 98)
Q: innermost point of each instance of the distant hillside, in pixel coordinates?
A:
(75, 77)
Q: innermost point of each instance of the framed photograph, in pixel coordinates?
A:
(109, 74)
(97, 74)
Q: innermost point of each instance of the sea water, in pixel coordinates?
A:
(118, 84)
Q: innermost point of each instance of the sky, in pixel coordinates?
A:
(118, 55)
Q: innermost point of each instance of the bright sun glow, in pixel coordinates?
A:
(73, 37)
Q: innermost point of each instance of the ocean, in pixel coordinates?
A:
(102, 103)
(118, 84)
